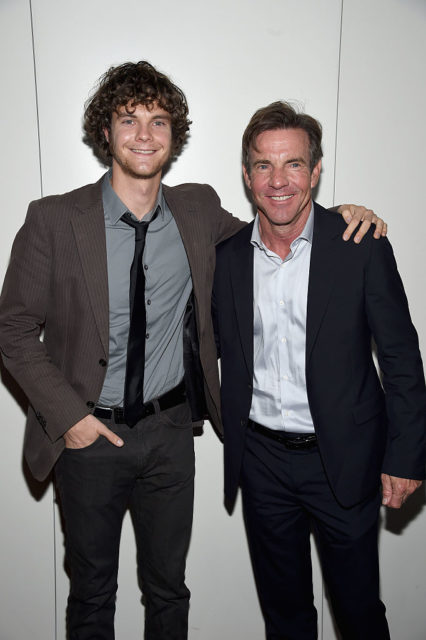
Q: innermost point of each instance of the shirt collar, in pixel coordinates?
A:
(114, 208)
(306, 234)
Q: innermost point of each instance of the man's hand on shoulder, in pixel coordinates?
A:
(86, 431)
(396, 491)
(353, 215)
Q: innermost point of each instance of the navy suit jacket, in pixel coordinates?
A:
(354, 294)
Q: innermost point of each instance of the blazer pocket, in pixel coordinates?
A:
(367, 410)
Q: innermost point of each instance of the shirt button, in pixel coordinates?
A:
(284, 340)
(147, 336)
(285, 377)
(148, 302)
(281, 303)
(145, 266)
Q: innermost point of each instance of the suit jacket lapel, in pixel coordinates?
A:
(241, 274)
(89, 230)
(322, 272)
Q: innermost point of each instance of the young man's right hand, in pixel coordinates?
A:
(86, 431)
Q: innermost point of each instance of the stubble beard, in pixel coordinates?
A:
(127, 169)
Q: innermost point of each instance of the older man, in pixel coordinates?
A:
(309, 431)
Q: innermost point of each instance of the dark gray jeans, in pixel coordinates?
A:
(153, 476)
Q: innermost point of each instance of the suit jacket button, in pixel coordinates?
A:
(102, 362)
(90, 404)
(243, 422)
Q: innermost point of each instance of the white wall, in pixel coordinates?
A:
(230, 58)
(380, 160)
(27, 582)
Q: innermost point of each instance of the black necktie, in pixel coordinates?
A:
(135, 365)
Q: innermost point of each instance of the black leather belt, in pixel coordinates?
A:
(168, 400)
(289, 440)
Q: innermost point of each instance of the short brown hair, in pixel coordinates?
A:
(133, 83)
(281, 115)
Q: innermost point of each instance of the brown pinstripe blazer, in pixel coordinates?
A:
(57, 281)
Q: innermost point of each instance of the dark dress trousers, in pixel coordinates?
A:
(354, 293)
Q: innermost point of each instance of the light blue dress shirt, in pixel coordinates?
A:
(280, 399)
(168, 285)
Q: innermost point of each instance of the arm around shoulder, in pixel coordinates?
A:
(359, 216)
(224, 223)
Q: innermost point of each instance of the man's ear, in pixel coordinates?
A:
(316, 172)
(106, 134)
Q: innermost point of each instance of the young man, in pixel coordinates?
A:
(115, 386)
(308, 431)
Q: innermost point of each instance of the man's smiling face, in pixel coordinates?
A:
(140, 140)
(280, 178)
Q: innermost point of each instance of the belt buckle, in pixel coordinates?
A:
(148, 409)
(290, 444)
(306, 443)
(118, 414)
(103, 412)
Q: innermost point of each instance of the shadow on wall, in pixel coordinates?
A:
(37, 489)
(395, 521)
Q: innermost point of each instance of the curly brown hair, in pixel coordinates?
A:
(133, 83)
(281, 115)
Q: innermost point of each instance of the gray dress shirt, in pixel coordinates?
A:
(280, 399)
(168, 285)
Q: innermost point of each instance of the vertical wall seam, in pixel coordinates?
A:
(55, 604)
(339, 71)
(339, 68)
(36, 99)
(55, 582)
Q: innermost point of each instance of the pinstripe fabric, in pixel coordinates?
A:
(57, 279)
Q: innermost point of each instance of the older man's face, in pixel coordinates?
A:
(280, 177)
